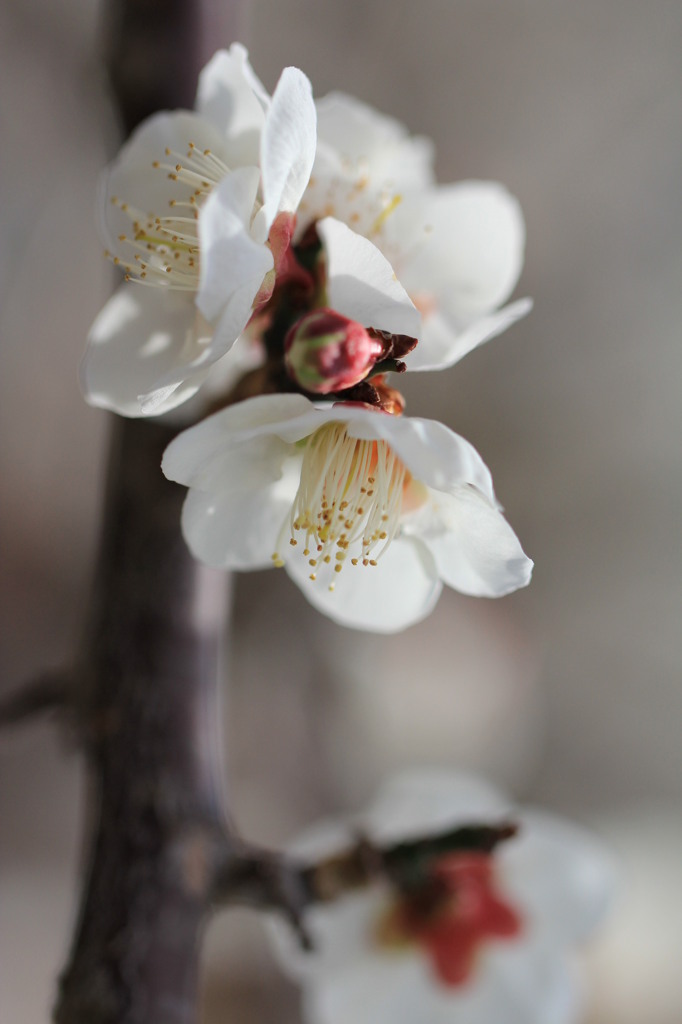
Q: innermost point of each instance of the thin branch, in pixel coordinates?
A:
(266, 880)
(47, 693)
(274, 881)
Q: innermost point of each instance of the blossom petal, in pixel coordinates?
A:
(400, 989)
(287, 144)
(442, 345)
(562, 876)
(474, 547)
(232, 99)
(140, 334)
(398, 592)
(434, 454)
(353, 133)
(361, 284)
(471, 256)
(232, 263)
(132, 178)
(374, 990)
(515, 983)
(428, 800)
(197, 456)
(237, 527)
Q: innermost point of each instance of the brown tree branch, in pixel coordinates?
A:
(48, 693)
(148, 713)
(270, 880)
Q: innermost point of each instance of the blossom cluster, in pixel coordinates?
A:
(285, 256)
(289, 258)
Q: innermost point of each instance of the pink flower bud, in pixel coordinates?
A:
(326, 352)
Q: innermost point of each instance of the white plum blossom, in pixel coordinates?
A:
(457, 249)
(369, 513)
(497, 947)
(206, 211)
(199, 208)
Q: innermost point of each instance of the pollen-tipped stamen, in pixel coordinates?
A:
(349, 499)
(164, 250)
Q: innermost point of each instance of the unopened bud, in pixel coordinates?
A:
(326, 352)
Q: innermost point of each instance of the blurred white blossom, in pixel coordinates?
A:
(497, 947)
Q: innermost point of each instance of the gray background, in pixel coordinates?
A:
(566, 694)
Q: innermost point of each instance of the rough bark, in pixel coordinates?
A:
(148, 713)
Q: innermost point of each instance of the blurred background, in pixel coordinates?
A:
(567, 694)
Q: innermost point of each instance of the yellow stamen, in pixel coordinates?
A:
(386, 212)
(335, 510)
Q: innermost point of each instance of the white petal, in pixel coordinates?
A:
(434, 454)
(560, 875)
(341, 932)
(233, 100)
(471, 256)
(197, 456)
(442, 344)
(354, 128)
(233, 265)
(361, 284)
(429, 800)
(398, 592)
(513, 983)
(475, 549)
(400, 989)
(132, 178)
(390, 989)
(287, 144)
(238, 526)
(246, 354)
(140, 335)
(372, 143)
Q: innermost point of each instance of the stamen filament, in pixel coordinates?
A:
(170, 244)
(349, 499)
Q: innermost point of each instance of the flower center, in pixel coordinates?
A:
(348, 502)
(451, 915)
(354, 200)
(164, 250)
